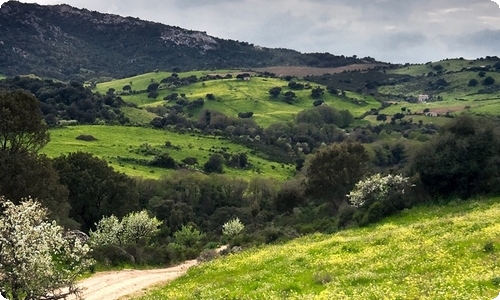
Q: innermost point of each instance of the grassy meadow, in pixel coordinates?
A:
(120, 146)
(436, 252)
(234, 96)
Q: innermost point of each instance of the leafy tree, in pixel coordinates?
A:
(334, 170)
(21, 123)
(489, 81)
(463, 160)
(378, 189)
(382, 117)
(398, 116)
(133, 228)
(164, 160)
(288, 96)
(232, 228)
(188, 236)
(275, 91)
(214, 164)
(473, 82)
(36, 261)
(152, 87)
(95, 189)
(317, 92)
(127, 88)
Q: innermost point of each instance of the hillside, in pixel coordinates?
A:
(435, 252)
(64, 42)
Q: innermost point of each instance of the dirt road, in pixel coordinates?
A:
(113, 285)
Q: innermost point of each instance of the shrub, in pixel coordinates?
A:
(232, 227)
(86, 137)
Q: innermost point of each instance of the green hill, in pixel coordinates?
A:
(435, 252)
(233, 96)
(130, 149)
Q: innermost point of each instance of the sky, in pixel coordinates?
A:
(397, 31)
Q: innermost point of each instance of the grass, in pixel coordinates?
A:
(435, 252)
(449, 65)
(234, 96)
(116, 143)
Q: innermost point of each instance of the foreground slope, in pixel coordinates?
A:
(447, 252)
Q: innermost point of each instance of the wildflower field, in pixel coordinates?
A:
(430, 252)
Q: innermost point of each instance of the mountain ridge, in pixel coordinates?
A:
(64, 42)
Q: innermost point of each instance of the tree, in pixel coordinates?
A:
(334, 170)
(382, 117)
(473, 82)
(95, 189)
(188, 236)
(317, 92)
(489, 81)
(135, 227)
(275, 91)
(153, 87)
(463, 160)
(214, 164)
(21, 123)
(288, 96)
(36, 261)
(233, 227)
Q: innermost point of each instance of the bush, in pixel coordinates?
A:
(86, 137)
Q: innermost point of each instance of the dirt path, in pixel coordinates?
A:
(113, 285)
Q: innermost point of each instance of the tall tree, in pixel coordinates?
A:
(334, 171)
(95, 189)
(23, 172)
(21, 123)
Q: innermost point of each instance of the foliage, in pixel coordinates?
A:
(133, 228)
(21, 127)
(36, 261)
(61, 103)
(463, 160)
(232, 227)
(95, 189)
(188, 236)
(334, 171)
(377, 188)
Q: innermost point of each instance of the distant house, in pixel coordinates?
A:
(423, 98)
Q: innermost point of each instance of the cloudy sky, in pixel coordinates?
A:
(414, 31)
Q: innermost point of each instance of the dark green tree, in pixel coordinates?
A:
(334, 170)
(23, 172)
(462, 161)
(214, 164)
(275, 91)
(21, 123)
(95, 189)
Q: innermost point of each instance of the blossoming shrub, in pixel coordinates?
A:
(378, 196)
(36, 261)
(118, 242)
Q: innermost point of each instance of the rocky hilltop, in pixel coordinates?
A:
(64, 42)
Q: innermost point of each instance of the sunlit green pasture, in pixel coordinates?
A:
(435, 252)
(449, 65)
(115, 142)
(141, 82)
(233, 96)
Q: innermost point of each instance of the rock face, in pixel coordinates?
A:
(64, 42)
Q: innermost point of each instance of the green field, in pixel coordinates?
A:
(118, 144)
(437, 252)
(449, 65)
(234, 96)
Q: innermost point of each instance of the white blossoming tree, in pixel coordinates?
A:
(232, 228)
(36, 261)
(133, 228)
(377, 189)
